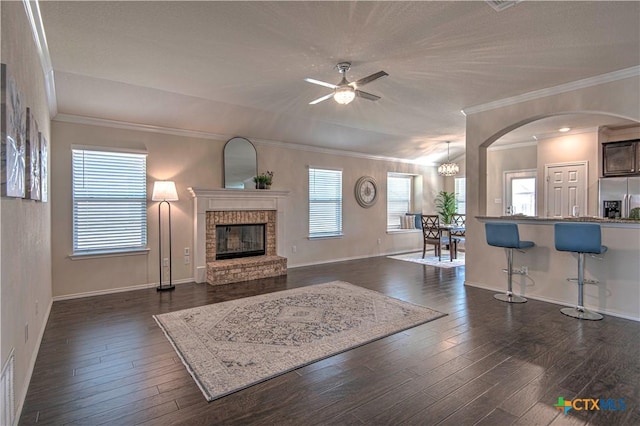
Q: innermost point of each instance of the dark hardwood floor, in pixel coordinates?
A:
(103, 360)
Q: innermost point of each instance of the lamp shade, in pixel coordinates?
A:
(164, 190)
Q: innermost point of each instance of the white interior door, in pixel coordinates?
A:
(566, 187)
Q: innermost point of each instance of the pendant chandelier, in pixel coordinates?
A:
(448, 168)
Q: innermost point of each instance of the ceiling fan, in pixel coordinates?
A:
(344, 92)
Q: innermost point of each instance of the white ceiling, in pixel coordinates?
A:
(237, 68)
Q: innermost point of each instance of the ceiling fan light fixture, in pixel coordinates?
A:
(448, 168)
(344, 95)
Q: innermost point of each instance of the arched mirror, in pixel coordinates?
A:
(240, 164)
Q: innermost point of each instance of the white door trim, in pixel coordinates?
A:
(585, 189)
(506, 195)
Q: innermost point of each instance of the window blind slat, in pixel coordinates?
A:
(109, 201)
(398, 199)
(460, 191)
(325, 203)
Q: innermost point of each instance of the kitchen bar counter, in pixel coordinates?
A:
(601, 220)
(618, 270)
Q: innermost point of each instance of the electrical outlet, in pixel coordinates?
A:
(524, 270)
(186, 251)
(294, 249)
(26, 332)
(165, 262)
(379, 241)
(187, 259)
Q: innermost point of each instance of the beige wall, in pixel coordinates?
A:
(25, 265)
(187, 161)
(195, 162)
(618, 98)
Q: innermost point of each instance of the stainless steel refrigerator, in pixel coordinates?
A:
(618, 195)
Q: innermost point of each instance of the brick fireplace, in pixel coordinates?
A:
(220, 207)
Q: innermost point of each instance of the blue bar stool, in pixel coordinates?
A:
(580, 238)
(506, 235)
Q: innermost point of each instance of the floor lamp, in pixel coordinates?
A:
(164, 191)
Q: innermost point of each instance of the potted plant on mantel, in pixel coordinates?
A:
(446, 204)
(263, 181)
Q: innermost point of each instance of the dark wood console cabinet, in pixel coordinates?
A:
(621, 158)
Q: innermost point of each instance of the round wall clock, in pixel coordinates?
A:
(366, 191)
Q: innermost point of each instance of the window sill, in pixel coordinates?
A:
(403, 231)
(100, 254)
(328, 237)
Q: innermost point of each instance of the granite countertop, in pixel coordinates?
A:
(562, 219)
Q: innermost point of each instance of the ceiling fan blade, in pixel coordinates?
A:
(321, 83)
(366, 95)
(369, 79)
(324, 98)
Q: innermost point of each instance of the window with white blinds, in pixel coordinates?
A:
(325, 203)
(398, 199)
(109, 201)
(461, 195)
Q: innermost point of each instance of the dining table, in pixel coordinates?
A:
(450, 229)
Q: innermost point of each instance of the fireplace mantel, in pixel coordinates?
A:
(205, 200)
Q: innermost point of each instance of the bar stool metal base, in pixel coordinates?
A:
(510, 298)
(581, 313)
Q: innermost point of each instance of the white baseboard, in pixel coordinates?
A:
(554, 301)
(344, 259)
(116, 290)
(32, 364)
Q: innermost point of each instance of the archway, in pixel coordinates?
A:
(533, 149)
(619, 98)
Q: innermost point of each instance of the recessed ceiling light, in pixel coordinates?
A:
(564, 129)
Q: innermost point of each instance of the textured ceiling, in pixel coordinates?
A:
(237, 68)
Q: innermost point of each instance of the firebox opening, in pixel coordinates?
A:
(234, 241)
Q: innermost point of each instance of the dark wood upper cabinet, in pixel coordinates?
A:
(621, 158)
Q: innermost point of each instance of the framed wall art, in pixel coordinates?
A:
(32, 159)
(13, 129)
(44, 174)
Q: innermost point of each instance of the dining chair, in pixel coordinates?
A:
(432, 235)
(458, 234)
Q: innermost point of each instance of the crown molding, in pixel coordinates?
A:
(563, 88)
(93, 121)
(332, 151)
(125, 125)
(32, 8)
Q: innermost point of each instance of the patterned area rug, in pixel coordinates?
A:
(432, 260)
(232, 345)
